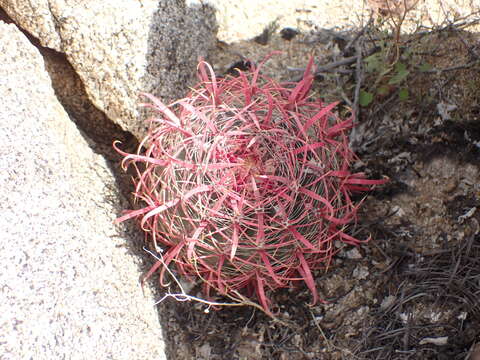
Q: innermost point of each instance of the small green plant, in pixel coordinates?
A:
(389, 69)
(388, 78)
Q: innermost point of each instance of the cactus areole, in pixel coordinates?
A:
(245, 184)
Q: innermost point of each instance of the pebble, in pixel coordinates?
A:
(353, 254)
(361, 272)
(387, 302)
(439, 341)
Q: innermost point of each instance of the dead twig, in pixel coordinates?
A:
(327, 342)
(358, 35)
(355, 136)
(332, 67)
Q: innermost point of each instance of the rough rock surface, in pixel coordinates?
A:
(69, 277)
(245, 19)
(120, 48)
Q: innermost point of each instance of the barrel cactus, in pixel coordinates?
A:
(246, 184)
